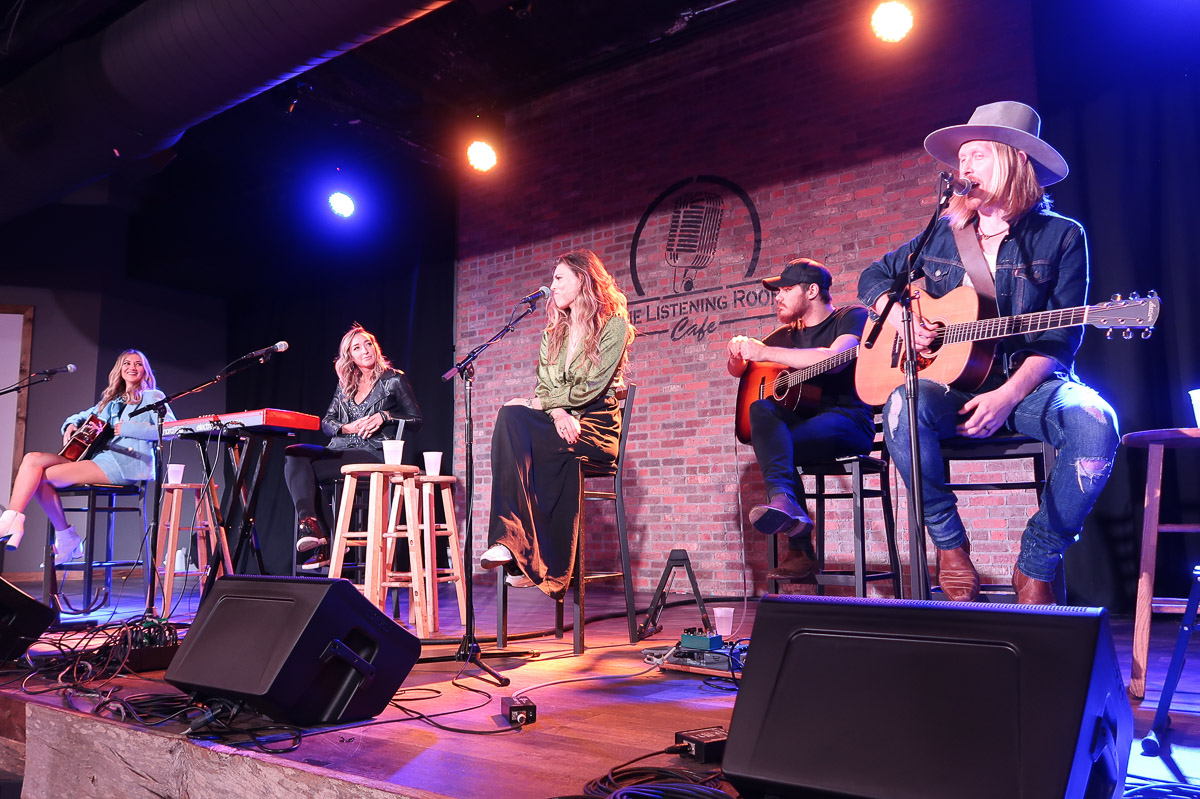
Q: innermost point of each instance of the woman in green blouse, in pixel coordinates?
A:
(571, 422)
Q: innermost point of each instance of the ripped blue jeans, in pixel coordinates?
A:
(1070, 416)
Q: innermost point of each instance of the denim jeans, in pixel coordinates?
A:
(1070, 416)
(782, 439)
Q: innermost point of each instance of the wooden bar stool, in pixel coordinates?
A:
(1156, 441)
(406, 522)
(443, 485)
(203, 526)
(377, 529)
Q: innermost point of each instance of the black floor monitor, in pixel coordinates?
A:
(929, 700)
(22, 620)
(301, 650)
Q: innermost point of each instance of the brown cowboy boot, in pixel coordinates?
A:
(957, 575)
(796, 565)
(1031, 591)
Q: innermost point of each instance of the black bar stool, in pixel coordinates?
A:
(97, 499)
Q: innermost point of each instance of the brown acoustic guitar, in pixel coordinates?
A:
(788, 387)
(964, 346)
(88, 439)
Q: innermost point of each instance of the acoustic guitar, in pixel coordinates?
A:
(88, 439)
(965, 345)
(788, 387)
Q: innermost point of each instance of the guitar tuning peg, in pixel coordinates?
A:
(1116, 298)
(1153, 294)
(1127, 334)
(1146, 333)
(1133, 295)
(1108, 334)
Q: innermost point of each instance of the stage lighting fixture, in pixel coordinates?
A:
(892, 21)
(481, 155)
(341, 204)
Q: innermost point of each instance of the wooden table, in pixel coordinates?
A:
(1156, 441)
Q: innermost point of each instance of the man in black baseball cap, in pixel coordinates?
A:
(820, 419)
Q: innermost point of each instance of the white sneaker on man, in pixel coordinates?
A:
(495, 556)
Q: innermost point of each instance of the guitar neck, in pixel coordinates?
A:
(1002, 327)
(819, 368)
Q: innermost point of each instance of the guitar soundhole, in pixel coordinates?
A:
(923, 361)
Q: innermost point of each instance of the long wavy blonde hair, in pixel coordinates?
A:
(118, 388)
(599, 300)
(347, 370)
(1015, 185)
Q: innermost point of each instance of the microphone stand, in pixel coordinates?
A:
(27, 383)
(468, 649)
(160, 406)
(902, 293)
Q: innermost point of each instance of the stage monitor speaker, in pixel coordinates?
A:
(22, 620)
(301, 650)
(896, 699)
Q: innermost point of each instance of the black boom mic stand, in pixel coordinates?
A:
(468, 649)
(901, 292)
(160, 411)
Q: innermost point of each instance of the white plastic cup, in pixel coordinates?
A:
(723, 619)
(433, 463)
(393, 452)
(1195, 395)
(175, 473)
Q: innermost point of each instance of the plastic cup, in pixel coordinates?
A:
(175, 473)
(1195, 395)
(393, 452)
(433, 463)
(723, 619)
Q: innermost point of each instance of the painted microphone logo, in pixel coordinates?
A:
(692, 237)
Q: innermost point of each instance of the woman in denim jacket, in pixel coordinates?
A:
(1039, 262)
(127, 458)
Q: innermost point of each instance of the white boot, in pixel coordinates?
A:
(495, 556)
(67, 546)
(12, 528)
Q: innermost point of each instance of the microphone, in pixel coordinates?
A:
(57, 370)
(278, 346)
(540, 294)
(960, 186)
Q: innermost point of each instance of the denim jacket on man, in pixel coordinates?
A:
(1042, 265)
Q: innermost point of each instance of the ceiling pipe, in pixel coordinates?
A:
(131, 90)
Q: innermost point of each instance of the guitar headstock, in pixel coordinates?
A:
(1127, 314)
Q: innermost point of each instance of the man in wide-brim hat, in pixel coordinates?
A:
(1037, 260)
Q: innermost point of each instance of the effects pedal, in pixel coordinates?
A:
(519, 710)
(699, 638)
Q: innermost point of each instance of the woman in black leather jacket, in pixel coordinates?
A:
(371, 400)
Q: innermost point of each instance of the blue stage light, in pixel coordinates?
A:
(341, 204)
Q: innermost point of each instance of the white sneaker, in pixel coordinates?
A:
(12, 528)
(518, 581)
(67, 546)
(496, 556)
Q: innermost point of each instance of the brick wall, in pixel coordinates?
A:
(794, 133)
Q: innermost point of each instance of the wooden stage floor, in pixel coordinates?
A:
(584, 728)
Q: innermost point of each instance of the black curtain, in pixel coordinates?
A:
(310, 288)
(1120, 98)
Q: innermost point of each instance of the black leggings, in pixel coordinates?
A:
(305, 466)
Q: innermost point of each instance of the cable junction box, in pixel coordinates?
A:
(519, 710)
(706, 745)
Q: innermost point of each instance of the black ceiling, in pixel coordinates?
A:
(415, 84)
